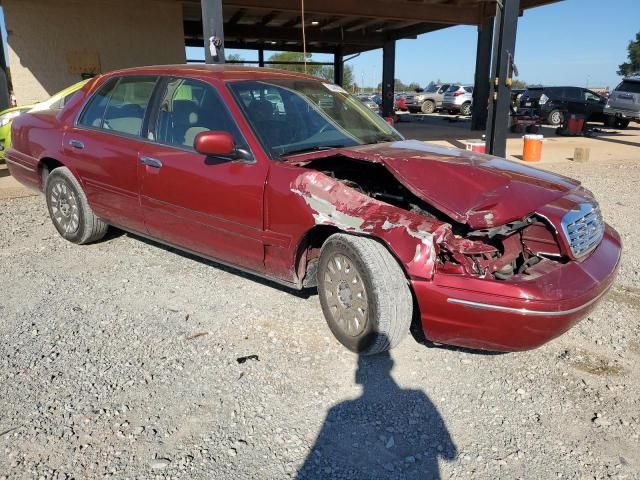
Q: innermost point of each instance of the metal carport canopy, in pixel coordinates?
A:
(350, 26)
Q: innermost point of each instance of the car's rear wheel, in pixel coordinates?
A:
(465, 109)
(364, 294)
(428, 107)
(69, 209)
(555, 118)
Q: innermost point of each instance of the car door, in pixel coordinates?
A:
(102, 148)
(594, 106)
(575, 100)
(212, 206)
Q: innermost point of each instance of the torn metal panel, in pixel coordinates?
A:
(412, 237)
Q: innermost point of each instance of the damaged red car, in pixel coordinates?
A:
(293, 179)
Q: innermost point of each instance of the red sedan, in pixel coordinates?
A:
(293, 179)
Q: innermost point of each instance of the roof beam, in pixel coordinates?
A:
(433, 13)
(282, 34)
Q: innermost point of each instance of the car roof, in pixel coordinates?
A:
(218, 71)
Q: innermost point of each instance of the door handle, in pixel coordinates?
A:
(76, 144)
(151, 162)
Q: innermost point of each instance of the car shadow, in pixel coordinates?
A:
(304, 293)
(387, 432)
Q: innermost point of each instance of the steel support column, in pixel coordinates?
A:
(4, 82)
(261, 57)
(482, 77)
(388, 77)
(338, 67)
(212, 29)
(504, 44)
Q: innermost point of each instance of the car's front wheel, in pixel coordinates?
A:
(364, 294)
(69, 209)
(428, 106)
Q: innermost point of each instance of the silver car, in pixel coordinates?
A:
(624, 103)
(458, 98)
(427, 101)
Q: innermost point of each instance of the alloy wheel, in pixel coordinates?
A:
(346, 295)
(64, 207)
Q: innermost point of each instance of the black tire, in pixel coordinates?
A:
(349, 263)
(621, 123)
(428, 106)
(555, 118)
(532, 129)
(517, 128)
(609, 121)
(465, 109)
(69, 209)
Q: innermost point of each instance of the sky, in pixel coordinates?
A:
(573, 42)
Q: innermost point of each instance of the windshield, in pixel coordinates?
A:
(432, 89)
(294, 116)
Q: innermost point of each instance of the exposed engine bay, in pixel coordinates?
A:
(502, 252)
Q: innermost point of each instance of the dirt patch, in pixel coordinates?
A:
(592, 363)
(628, 295)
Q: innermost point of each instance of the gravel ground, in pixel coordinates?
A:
(128, 360)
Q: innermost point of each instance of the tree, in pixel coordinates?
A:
(234, 57)
(633, 65)
(519, 84)
(325, 72)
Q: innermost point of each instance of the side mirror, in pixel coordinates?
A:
(219, 144)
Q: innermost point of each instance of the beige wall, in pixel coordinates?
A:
(49, 40)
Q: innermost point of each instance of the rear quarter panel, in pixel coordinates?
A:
(34, 136)
(37, 136)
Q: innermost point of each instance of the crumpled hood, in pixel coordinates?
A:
(479, 190)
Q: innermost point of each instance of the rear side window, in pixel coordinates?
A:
(572, 93)
(120, 106)
(469, 89)
(453, 88)
(94, 112)
(629, 87)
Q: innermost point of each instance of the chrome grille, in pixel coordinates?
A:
(583, 227)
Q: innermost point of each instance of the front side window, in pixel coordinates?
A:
(189, 107)
(591, 97)
(120, 105)
(292, 116)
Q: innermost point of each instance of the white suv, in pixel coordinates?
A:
(458, 98)
(624, 102)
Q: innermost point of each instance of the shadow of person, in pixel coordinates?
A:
(386, 433)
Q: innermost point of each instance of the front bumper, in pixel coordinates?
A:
(521, 314)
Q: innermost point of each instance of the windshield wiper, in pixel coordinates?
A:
(384, 139)
(315, 148)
